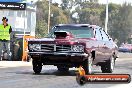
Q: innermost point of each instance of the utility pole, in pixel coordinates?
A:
(49, 17)
(106, 19)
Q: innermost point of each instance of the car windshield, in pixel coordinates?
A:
(78, 32)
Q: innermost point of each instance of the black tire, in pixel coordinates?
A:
(63, 68)
(108, 66)
(87, 65)
(37, 66)
(29, 58)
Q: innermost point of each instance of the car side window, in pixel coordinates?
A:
(98, 34)
(104, 35)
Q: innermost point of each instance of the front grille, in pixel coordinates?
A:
(62, 48)
(55, 48)
(47, 47)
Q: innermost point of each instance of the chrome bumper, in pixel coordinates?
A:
(57, 53)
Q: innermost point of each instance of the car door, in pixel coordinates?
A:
(107, 45)
(99, 50)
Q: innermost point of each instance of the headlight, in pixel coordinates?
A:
(36, 47)
(77, 48)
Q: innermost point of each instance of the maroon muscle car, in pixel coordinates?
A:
(74, 45)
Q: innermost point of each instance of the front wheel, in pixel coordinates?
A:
(87, 65)
(108, 66)
(37, 66)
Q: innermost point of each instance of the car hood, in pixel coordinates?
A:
(62, 37)
(61, 41)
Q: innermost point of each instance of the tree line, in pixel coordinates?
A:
(88, 12)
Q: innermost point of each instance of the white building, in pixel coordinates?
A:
(21, 20)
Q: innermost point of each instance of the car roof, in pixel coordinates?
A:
(73, 25)
(79, 25)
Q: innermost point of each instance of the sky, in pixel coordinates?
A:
(104, 1)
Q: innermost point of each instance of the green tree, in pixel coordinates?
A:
(125, 22)
(119, 24)
(41, 29)
(89, 12)
(57, 17)
(42, 14)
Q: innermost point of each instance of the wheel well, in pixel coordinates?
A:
(93, 54)
(114, 55)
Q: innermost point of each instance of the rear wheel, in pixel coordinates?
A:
(37, 66)
(87, 65)
(108, 66)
